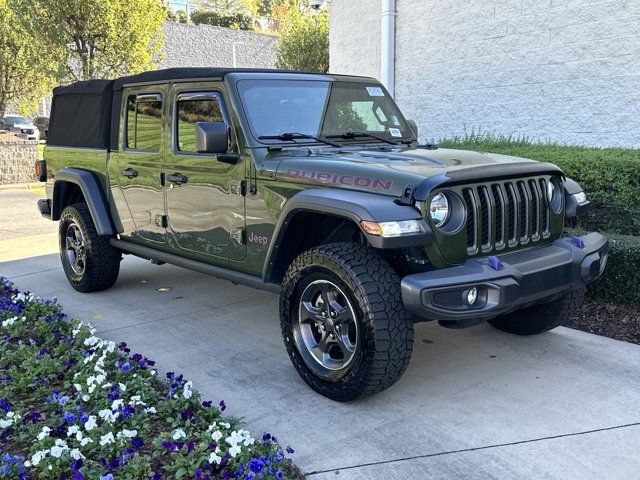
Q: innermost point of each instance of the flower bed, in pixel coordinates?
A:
(75, 406)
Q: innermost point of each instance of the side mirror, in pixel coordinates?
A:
(414, 126)
(212, 137)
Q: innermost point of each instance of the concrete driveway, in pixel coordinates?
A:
(474, 403)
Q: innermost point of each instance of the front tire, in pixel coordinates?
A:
(88, 259)
(540, 318)
(343, 321)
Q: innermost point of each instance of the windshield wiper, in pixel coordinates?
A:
(289, 136)
(354, 135)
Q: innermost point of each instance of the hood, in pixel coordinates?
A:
(383, 171)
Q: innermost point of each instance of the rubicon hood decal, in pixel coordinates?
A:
(358, 181)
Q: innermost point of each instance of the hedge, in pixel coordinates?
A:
(235, 20)
(620, 282)
(610, 176)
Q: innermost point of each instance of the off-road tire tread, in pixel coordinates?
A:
(388, 336)
(103, 260)
(541, 318)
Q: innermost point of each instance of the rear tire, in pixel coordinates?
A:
(540, 318)
(343, 321)
(89, 261)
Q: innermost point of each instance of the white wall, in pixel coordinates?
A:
(211, 46)
(558, 70)
(354, 37)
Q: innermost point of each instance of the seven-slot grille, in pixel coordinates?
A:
(506, 214)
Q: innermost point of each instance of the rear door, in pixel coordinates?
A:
(206, 209)
(140, 161)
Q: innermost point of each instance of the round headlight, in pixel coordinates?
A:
(551, 190)
(439, 209)
(554, 196)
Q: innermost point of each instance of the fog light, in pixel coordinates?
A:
(472, 296)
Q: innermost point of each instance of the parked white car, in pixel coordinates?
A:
(20, 125)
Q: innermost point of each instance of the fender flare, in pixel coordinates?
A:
(352, 205)
(93, 193)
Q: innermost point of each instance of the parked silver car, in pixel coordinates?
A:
(20, 125)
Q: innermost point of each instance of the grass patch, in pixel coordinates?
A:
(74, 406)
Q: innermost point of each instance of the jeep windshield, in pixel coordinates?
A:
(348, 112)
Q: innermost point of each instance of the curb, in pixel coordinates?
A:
(23, 186)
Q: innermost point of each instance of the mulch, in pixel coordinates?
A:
(609, 320)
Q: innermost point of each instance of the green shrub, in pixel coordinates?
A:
(609, 176)
(235, 20)
(620, 282)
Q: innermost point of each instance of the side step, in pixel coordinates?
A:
(157, 256)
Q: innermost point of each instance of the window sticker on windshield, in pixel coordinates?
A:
(395, 132)
(395, 120)
(375, 91)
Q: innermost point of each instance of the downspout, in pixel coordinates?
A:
(388, 45)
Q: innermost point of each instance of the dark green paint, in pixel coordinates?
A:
(205, 213)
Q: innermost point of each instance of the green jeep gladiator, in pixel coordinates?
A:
(313, 186)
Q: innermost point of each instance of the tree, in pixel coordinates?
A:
(27, 73)
(237, 21)
(97, 38)
(304, 44)
(180, 16)
(223, 13)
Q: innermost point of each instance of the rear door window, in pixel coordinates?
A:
(144, 122)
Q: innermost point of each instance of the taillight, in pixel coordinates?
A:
(41, 170)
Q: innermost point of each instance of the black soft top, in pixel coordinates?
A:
(81, 114)
(87, 114)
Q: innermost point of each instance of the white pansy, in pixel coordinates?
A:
(107, 439)
(150, 410)
(85, 398)
(117, 403)
(186, 392)
(107, 415)
(78, 387)
(59, 448)
(44, 433)
(75, 454)
(234, 451)
(38, 456)
(9, 321)
(129, 433)
(90, 424)
(6, 423)
(217, 435)
(84, 441)
(178, 434)
(215, 458)
(123, 387)
(91, 341)
(72, 430)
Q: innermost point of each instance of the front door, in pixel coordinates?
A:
(140, 162)
(205, 202)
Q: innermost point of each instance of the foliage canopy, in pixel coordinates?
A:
(96, 38)
(304, 44)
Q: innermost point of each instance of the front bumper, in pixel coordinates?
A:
(519, 279)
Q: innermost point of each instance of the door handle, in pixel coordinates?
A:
(177, 178)
(129, 172)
